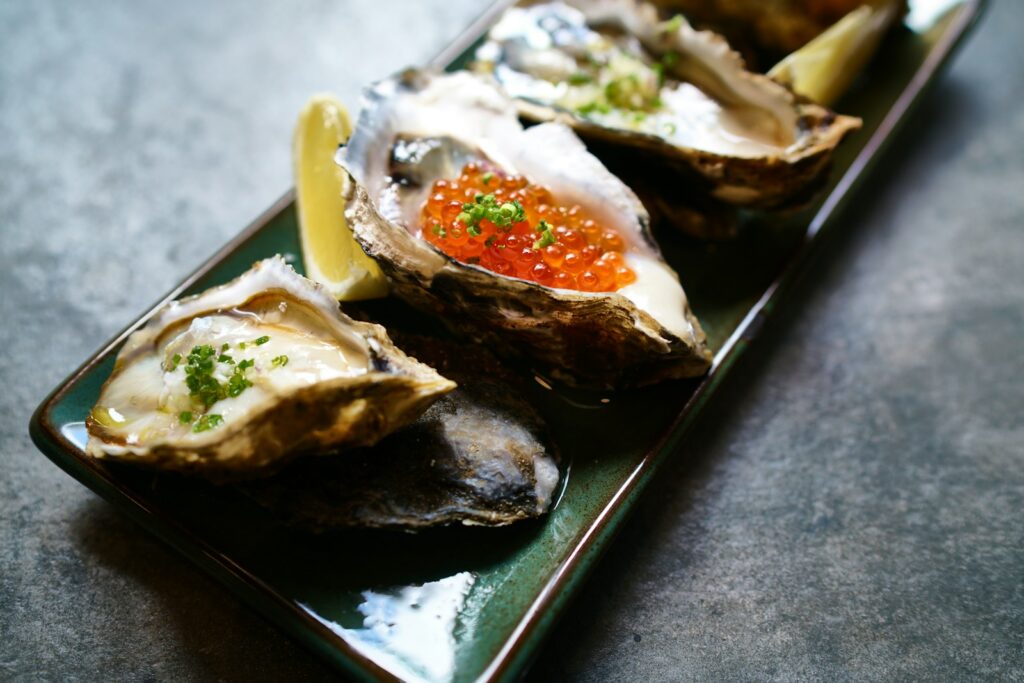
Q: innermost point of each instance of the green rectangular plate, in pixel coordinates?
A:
(467, 604)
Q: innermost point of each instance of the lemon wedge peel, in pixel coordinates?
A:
(824, 68)
(331, 254)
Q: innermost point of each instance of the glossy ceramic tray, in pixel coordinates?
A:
(467, 604)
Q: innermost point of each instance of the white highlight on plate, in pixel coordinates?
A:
(410, 631)
(76, 433)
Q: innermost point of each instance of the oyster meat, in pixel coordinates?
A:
(240, 378)
(478, 456)
(418, 127)
(619, 75)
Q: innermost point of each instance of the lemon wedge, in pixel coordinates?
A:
(331, 254)
(824, 68)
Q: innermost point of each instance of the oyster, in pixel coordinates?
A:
(418, 127)
(618, 75)
(478, 456)
(779, 26)
(243, 376)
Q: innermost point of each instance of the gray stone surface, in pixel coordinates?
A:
(849, 507)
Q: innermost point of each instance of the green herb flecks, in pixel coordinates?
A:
(547, 237)
(279, 361)
(199, 375)
(488, 177)
(622, 82)
(672, 25)
(659, 69)
(207, 422)
(185, 417)
(261, 340)
(237, 383)
(593, 108)
(200, 380)
(486, 207)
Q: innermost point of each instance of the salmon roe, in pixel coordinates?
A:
(511, 227)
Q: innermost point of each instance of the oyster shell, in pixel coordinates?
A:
(243, 376)
(478, 456)
(419, 126)
(617, 74)
(779, 26)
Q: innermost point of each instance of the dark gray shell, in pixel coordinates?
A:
(479, 455)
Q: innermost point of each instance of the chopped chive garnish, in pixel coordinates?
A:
(673, 24)
(547, 237)
(486, 207)
(199, 375)
(201, 383)
(593, 107)
(279, 361)
(262, 340)
(185, 417)
(207, 422)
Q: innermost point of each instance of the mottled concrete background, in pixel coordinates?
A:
(850, 506)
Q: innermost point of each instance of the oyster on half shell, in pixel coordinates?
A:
(779, 26)
(418, 127)
(240, 378)
(619, 75)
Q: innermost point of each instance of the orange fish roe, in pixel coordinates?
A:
(512, 227)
